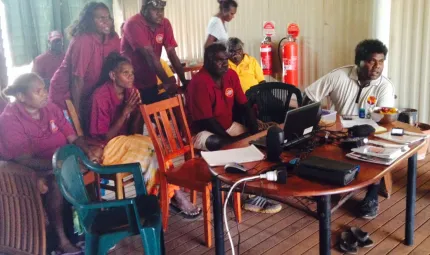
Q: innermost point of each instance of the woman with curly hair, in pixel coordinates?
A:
(92, 39)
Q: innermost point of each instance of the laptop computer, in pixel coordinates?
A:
(299, 125)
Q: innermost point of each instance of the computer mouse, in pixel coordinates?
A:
(235, 168)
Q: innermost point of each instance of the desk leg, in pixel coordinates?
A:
(217, 211)
(324, 215)
(410, 200)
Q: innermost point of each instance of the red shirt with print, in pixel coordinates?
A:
(106, 108)
(138, 34)
(21, 134)
(84, 59)
(205, 100)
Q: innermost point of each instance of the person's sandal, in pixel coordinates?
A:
(185, 215)
(348, 243)
(362, 237)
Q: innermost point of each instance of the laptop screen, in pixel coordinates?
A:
(301, 121)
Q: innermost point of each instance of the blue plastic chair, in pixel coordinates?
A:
(107, 223)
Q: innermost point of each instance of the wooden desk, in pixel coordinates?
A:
(298, 187)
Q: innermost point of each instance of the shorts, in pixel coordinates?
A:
(199, 140)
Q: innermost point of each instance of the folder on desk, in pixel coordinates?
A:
(327, 170)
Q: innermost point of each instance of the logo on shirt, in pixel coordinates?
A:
(53, 126)
(371, 100)
(159, 38)
(229, 92)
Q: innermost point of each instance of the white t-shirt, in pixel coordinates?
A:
(217, 29)
(341, 85)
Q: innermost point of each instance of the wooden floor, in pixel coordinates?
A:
(292, 231)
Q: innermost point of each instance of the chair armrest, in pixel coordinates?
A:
(107, 204)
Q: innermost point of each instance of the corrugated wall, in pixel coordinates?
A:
(330, 29)
(409, 61)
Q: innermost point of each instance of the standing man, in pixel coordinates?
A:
(246, 67)
(46, 65)
(145, 34)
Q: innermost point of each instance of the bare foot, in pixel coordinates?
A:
(68, 248)
(181, 201)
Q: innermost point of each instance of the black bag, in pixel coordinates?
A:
(328, 171)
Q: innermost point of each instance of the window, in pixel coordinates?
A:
(12, 71)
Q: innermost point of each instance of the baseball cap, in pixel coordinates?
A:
(54, 35)
(156, 3)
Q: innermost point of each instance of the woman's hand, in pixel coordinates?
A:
(95, 154)
(133, 101)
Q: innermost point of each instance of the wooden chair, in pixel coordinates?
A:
(22, 219)
(172, 138)
(192, 70)
(90, 177)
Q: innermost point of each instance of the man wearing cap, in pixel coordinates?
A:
(46, 65)
(145, 34)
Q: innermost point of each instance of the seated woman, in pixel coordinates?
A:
(116, 120)
(31, 129)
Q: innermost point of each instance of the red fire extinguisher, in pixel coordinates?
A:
(289, 59)
(266, 55)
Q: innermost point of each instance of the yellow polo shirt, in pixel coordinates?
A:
(168, 71)
(249, 72)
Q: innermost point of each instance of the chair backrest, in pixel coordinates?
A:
(67, 168)
(75, 118)
(22, 220)
(272, 100)
(170, 133)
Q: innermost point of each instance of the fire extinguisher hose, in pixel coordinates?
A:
(279, 50)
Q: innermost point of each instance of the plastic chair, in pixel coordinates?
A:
(106, 223)
(171, 138)
(272, 100)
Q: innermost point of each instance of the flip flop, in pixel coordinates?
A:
(362, 237)
(186, 215)
(348, 243)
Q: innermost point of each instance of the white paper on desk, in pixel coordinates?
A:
(356, 122)
(240, 155)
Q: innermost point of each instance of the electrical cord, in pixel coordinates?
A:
(270, 176)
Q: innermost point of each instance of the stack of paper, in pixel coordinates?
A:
(378, 152)
(371, 159)
(407, 138)
(241, 155)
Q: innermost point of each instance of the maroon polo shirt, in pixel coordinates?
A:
(205, 100)
(138, 34)
(21, 134)
(46, 65)
(106, 108)
(84, 59)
